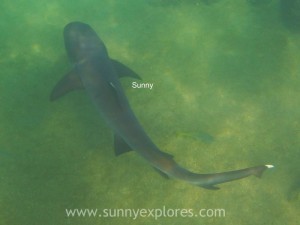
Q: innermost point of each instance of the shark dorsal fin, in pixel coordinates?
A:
(124, 71)
(117, 94)
(120, 145)
(71, 81)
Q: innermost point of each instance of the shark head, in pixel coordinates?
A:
(82, 42)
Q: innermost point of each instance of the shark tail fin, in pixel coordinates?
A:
(259, 172)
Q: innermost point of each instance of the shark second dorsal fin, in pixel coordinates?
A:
(164, 175)
(124, 71)
(71, 81)
(209, 187)
(120, 145)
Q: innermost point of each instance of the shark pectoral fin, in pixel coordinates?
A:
(124, 71)
(71, 81)
(161, 173)
(120, 145)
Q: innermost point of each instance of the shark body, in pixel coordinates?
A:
(94, 71)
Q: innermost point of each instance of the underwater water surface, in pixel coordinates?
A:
(226, 88)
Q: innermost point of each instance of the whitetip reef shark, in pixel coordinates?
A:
(94, 71)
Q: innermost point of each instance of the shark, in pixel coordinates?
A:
(98, 74)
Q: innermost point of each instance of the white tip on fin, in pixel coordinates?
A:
(269, 166)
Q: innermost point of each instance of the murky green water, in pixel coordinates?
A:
(226, 96)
